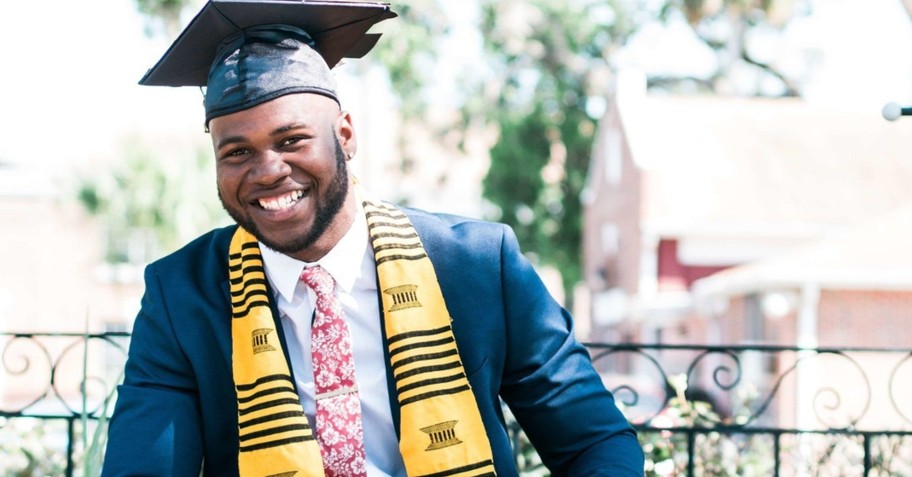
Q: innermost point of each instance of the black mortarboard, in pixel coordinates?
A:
(238, 47)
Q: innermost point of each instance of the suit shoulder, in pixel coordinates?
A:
(454, 233)
(450, 224)
(207, 251)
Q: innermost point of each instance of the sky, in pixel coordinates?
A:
(850, 54)
(69, 81)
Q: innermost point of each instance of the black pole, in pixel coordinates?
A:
(893, 111)
(866, 442)
(777, 449)
(71, 431)
(691, 452)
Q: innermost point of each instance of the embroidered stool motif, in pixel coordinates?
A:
(338, 427)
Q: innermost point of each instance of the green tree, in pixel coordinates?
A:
(164, 15)
(547, 59)
(550, 62)
(407, 49)
(726, 25)
(149, 206)
(147, 203)
(544, 69)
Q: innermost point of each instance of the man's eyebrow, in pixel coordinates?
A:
(279, 130)
(290, 127)
(229, 140)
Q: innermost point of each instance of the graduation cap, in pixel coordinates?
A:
(250, 51)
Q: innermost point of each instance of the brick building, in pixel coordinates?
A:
(848, 290)
(740, 221)
(682, 188)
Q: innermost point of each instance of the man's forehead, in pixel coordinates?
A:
(293, 111)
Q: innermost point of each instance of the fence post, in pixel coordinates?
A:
(866, 442)
(691, 452)
(777, 458)
(71, 432)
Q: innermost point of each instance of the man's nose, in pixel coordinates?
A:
(270, 168)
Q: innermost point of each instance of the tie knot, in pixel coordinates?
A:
(319, 280)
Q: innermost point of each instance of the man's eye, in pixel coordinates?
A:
(292, 140)
(234, 155)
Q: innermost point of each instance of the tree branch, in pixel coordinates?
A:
(791, 90)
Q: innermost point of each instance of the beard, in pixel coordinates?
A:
(326, 211)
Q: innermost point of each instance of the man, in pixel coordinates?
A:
(329, 333)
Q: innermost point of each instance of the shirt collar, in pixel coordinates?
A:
(343, 262)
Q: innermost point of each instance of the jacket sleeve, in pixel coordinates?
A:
(551, 387)
(155, 429)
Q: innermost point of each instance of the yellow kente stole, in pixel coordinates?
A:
(441, 431)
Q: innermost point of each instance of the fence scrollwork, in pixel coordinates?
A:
(48, 374)
(848, 401)
(690, 402)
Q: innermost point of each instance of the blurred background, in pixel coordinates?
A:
(707, 173)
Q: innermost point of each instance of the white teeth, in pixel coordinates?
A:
(281, 202)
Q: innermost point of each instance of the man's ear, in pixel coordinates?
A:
(345, 132)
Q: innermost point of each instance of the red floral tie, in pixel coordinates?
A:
(339, 430)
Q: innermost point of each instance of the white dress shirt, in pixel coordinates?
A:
(351, 263)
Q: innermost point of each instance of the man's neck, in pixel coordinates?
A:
(340, 226)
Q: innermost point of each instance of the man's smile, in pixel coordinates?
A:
(281, 202)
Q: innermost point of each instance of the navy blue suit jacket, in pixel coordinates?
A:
(177, 405)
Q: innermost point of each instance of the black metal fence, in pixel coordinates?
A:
(699, 410)
(767, 410)
(54, 390)
(758, 410)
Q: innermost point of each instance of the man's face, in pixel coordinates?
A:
(281, 172)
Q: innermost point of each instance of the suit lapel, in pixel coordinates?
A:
(225, 331)
(223, 323)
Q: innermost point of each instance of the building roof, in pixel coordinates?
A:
(719, 165)
(875, 255)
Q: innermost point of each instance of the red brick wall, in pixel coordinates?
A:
(881, 319)
(730, 323)
(617, 204)
(674, 275)
(865, 318)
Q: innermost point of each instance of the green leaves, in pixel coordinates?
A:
(550, 59)
(164, 13)
(407, 51)
(150, 204)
